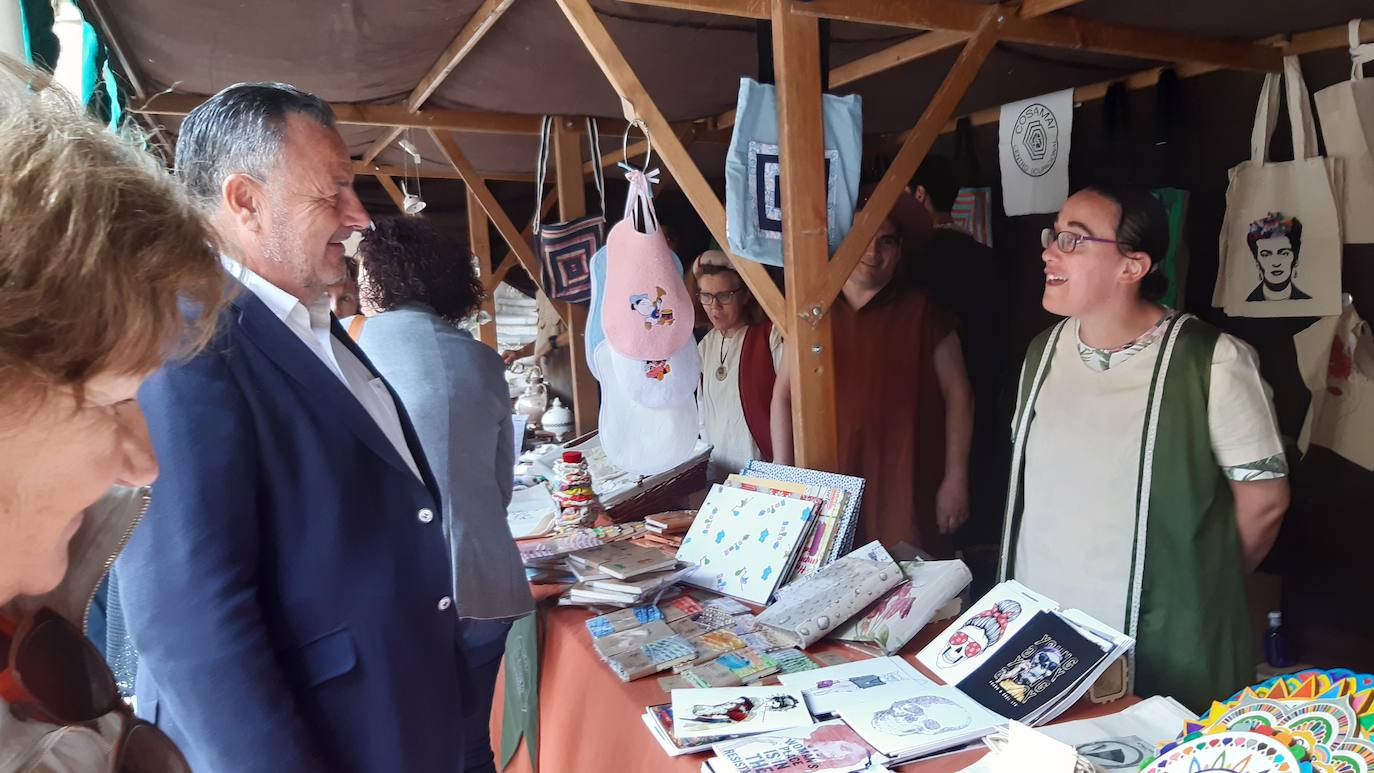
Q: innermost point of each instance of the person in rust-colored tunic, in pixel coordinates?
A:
(903, 404)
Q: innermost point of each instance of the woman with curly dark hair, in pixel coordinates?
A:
(414, 285)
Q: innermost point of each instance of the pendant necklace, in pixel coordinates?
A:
(721, 372)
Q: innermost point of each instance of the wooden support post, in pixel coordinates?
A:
(478, 188)
(572, 204)
(479, 241)
(668, 147)
(810, 349)
(909, 158)
(389, 185)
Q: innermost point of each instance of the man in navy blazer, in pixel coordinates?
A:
(289, 588)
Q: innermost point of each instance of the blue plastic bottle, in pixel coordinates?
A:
(1276, 650)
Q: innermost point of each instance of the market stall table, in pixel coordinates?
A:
(590, 720)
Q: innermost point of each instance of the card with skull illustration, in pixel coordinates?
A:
(981, 631)
(1038, 665)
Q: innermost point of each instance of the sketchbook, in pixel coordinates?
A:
(744, 541)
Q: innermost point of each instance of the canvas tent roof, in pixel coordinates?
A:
(532, 62)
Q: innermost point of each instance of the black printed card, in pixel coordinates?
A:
(1038, 665)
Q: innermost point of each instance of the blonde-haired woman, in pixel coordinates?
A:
(739, 362)
(99, 247)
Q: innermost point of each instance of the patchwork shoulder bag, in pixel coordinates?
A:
(566, 249)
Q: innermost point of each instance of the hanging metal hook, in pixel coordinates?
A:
(648, 143)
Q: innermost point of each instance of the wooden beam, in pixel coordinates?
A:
(358, 114)
(389, 185)
(810, 348)
(1033, 8)
(893, 56)
(909, 158)
(623, 79)
(479, 241)
(481, 22)
(360, 167)
(478, 188)
(879, 61)
(383, 142)
(572, 204)
(1056, 32)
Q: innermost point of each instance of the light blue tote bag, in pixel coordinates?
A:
(753, 204)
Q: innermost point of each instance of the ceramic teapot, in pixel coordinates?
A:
(558, 419)
(535, 400)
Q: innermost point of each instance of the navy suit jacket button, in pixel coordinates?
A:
(425, 515)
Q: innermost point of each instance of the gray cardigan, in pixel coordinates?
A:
(454, 389)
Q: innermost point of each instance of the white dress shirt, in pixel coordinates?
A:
(310, 323)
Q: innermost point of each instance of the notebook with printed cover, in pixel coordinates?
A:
(644, 583)
(815, 605)
(792, 661)
(907, 720)
(632, 638)
(623, 619)
(826, 747)
(852, 486)
(623, 560)
(902, 612)
(1018, 654)
(744, 541)
(659, 720)
(825, 689)
(712, 711)
(651, 658)
(748, 664)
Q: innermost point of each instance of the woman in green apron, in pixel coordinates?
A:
(1147, 473)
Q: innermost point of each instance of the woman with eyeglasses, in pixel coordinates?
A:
(739, 361)
(1148, 477)
(99, 246)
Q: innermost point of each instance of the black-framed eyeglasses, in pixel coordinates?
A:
(1068, 241)
(724, 298)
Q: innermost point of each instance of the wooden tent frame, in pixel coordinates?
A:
(813, 278)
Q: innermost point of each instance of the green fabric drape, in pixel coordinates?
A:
(40, 43)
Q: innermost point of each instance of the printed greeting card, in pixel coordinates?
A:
(825, 689)
(744, 541)
(988, 623)
(735, 710)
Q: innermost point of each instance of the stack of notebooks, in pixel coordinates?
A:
(550, 551)
(706, 640)
(667, 529)
(838, 519)
(622, 574)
